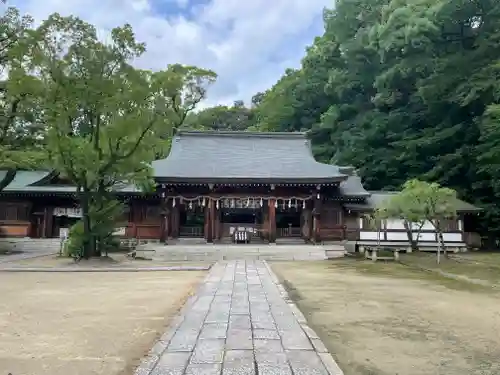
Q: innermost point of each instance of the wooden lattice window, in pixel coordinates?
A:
(147, 213)
(450, 225)
(331, 217)
(14, 212)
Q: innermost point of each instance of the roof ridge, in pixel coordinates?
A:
(242, 134)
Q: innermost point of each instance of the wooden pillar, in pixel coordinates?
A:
(213, 220)
(48, 222)
(308, 230)
(174, 222)
(162, 236)
(166, 223)
(217, 226)
(209, 218)
(317, 219)
(342, 221)
(272, 220)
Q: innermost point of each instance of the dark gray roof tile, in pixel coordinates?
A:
(353, 187)
(378, 197)
(215, 156)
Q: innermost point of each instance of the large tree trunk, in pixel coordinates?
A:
(98, 206)
(441, 239)
(87, 227)
(409, 234)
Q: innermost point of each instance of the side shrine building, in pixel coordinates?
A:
(215, 185)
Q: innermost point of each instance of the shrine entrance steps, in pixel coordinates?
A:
(218, 252)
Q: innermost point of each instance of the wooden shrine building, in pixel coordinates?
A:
(212, 186)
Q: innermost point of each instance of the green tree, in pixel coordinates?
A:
(107, 120)
(20, 136)
(407, 207)
(420, 202)
(238, 118)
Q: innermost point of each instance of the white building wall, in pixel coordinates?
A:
(394, 233)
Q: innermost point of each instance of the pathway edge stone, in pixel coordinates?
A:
(194, 343)
(148, 363)
(325, 356)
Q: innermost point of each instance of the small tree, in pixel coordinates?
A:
(409, 208)
(439, 203)
(421, 202)
(375, 220)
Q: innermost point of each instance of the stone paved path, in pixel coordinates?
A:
(240, 322)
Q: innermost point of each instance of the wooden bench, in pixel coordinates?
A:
(404, 246)
(241, 236)
(371, 252)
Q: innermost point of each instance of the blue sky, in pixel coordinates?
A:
(248, 44)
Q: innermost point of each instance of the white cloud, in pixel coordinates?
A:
(247, 43)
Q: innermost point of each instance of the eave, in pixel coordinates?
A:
(251, 181)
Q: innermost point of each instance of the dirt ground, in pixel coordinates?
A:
(83, 324)
(386, 319)
(115, 259)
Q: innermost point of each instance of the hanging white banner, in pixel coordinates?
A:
(68, 211)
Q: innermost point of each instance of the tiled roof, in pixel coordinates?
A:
(225, 157)
(26, 181)
(376, 198)
(243, 156)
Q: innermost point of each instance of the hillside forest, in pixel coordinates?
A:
(400, 90)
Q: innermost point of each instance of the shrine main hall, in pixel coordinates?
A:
(214, 185)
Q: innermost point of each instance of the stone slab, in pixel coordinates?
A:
(203, 369)
(171, 364)
(208, 351)
(240, 322)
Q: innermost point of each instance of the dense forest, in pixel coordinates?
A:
(399, 89)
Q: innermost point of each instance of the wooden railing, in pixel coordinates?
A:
(331, 234)
(227, 229)
(191, 232)
(339, 234)
(352, 234)
(288, 232)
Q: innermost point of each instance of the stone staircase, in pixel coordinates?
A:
(187, 241)
(217, 252)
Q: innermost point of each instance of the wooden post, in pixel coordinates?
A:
(272, 220)
(317, 220)
(217, 225)
(162, 227)
(209, 217)
(48, 222)
(174, 218)
(213, 220)
(166, 223)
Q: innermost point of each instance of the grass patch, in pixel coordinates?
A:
(487, 269)
(387, 318)
(403, 271)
